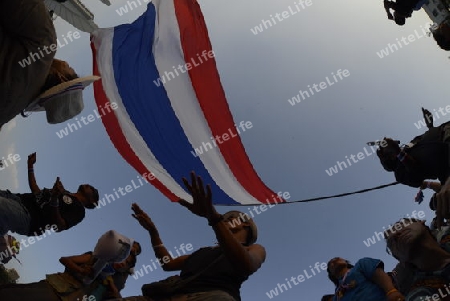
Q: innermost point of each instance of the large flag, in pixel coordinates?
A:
(171, 115)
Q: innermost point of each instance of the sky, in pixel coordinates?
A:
(290, 146)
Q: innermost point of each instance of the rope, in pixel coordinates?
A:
(324, 197)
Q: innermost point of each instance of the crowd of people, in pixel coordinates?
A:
(51, 85)
(422, 252)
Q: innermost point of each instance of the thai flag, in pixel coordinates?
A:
(161, 74)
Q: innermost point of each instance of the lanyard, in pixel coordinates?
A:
(340, 290)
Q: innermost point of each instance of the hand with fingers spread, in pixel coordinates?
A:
(202, 200)
(142, 217)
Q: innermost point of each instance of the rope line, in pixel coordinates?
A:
(323, 197)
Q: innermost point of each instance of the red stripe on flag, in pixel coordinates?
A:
(208, 88)
(117, 137)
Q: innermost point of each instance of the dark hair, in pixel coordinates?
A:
(388, 163)
(399, 20)
(440, 39)
(334, 279)
(139, 246)
(53, 79)
(93, 198)
(327, 298)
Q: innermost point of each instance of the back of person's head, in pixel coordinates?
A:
(441, 39)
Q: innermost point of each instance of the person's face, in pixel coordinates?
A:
(237, 225)
(124, 265)
(402, 238)
(336, 265)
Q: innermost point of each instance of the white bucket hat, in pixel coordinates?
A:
(64, 101)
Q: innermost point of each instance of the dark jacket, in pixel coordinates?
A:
(25, 27)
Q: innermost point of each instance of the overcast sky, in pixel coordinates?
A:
(290, 146)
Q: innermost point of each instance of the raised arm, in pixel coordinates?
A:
(385, 283)
(247, 259)
(167, 262)
(74, 263)
(31, 179)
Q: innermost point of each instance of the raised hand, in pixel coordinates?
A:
(202, 205)
(31, 160)
(428, 117)
(142, 217)
(58, 188)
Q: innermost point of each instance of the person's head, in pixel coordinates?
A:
(89, 195)
(242, 226)
(404, 237)
(399, 19)
(387, 153)
(335, 268)
(60, 72)
(129, 263)
(441, 34)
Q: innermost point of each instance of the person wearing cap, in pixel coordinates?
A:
(366, 280)
(69, 285)
(220, 270)
(112, 247)
(424, 259)
(55, 209)
(30, 77)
